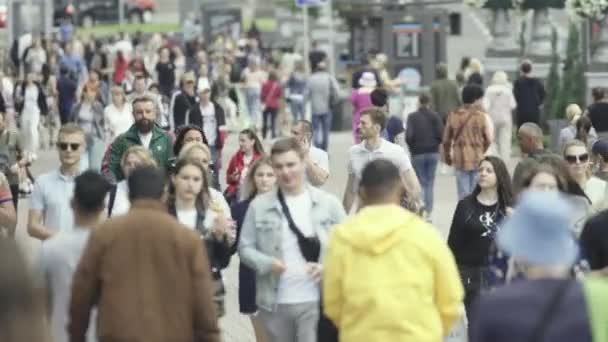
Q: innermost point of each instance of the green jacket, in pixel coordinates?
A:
(445, 96)
(161, 147)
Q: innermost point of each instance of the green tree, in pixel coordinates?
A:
(572, 88)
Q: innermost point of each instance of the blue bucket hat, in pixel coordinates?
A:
(538, 231)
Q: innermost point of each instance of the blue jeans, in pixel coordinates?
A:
(252, 97)
(465, 182)
(92, 157)
(321, 124)
(425, 165)
(297, 110)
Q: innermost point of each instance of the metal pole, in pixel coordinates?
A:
(306, 37)
(332, 52)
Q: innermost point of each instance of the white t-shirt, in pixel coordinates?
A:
(254, 79)
(319, 157)
(295, 285)
(118, 121)
(145, 139)
(246, 163)
(187, 217)
(209, 123)
(121, 200)
(359, 156)
(58, 259)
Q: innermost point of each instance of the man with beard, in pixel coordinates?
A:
(145, 133)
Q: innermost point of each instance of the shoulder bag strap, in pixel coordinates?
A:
(462, 126)
(112, 199)
(549, 312)
(290, 222)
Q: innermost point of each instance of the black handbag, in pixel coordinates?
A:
(310, 247)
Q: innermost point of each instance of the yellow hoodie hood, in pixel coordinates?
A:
(376, 229)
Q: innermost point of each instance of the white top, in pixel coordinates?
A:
(58, 259)
(246, 163)
(209, 123)
(319, 158)
(145, 139)
(295, 285)
(254, 79)
(118, 121)
(597, 191)
(51, 196)
(30, 100)
(499, 102)
(121, 201)
(359, 156)
(187, 217)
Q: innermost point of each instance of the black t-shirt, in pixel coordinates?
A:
(594, 241)
(598, 113)
(473, 231)
(166, 74)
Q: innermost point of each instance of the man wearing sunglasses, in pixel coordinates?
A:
(50, 209)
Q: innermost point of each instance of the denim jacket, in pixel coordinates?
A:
(261, 237)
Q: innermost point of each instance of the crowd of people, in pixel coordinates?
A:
(137, 226)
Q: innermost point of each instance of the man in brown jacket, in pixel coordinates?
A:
(466, 138)
(147, 275)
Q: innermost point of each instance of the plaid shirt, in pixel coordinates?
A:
(469, 147)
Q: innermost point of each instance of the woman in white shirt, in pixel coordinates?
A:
(499, 102)
(118, 114)
(202, 209)
(118, 199)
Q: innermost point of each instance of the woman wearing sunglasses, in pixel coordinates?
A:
(576, 155)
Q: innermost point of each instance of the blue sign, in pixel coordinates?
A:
(302, 3)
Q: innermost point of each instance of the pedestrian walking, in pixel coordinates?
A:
(577, 156)
(210, 116)
(573, 114)
(10, 149)
(203, 209)
(372, 146)
(60, 254)
(474, 72)
(529, 93)
(285, 246)
(476, 222)
(423, 136)
(259, 180)
(323, 92)
(600, 153)
(445, 93)
(165, 73)
(317, 160)
(200, 152)
(296, 88)
(144, 132)
(253, 78)
(66, 89)
(361, 100)
(549, 306)
(31, 106)
(118, 200)
(250, 150)
(8, 212)
(466, 139)
(170, 260)
(530, 138)
(182, 101)
(88, 115)
(499, 102)
(381, 235)
(118, 115)
(597, 111)
(271, 101)
(21, 316)
(185, 135)
(50, 209)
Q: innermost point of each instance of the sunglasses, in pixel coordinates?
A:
(581, 158)
(64, 146)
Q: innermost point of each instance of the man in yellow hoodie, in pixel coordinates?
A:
(388, 275)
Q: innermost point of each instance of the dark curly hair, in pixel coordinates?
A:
(181, 134)
(503, 182)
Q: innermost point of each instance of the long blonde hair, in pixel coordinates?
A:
(142, 153)
(249, 189)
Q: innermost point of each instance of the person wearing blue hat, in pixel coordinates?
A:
(548, 305)
(600, 153)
